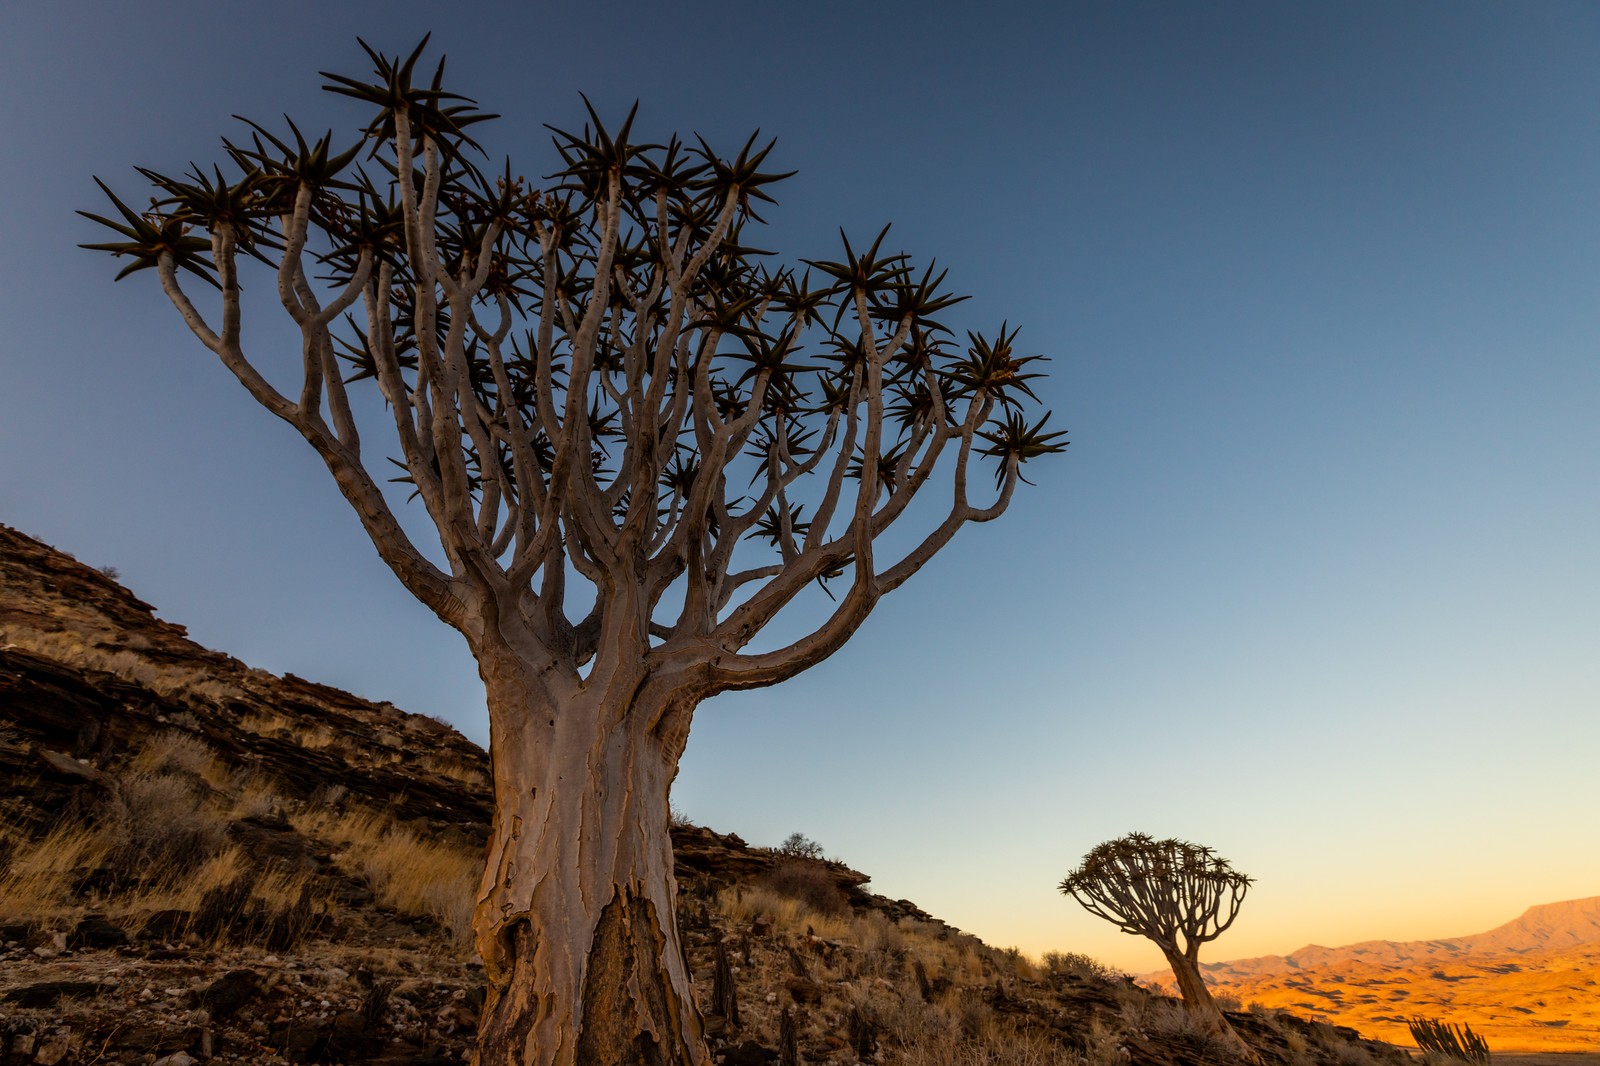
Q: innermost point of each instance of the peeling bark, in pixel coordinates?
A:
(576, 917)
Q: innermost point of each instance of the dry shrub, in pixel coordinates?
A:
(252, 795)
(1016, 963)
(1159, 1016)
(1169, 1020)
(948, 957)
(159, 820)
(787, 913)
(809, 883)
(1076, 964)
(875, 932)
(1348, 1054)
(176, 752)
(743, 905)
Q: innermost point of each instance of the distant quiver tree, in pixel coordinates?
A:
(1177, 894)
(638, 439)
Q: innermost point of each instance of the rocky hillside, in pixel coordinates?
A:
(203, 862)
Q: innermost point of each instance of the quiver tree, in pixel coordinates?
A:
(638, 438)
(1178, 895)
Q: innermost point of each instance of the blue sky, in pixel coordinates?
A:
(1316, 584)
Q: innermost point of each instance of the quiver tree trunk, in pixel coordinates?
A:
(1192, 987)
(575, 917)
(1197, 999)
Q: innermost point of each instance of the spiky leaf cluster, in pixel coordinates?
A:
(595, 371)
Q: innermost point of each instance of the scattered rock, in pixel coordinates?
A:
(177, 1058)
(225, 996)
(18, 932)
(804, 990)
(71, 768)
(46, 993)
(96, 932)
(749, 1053)
(166, 925)
(54, 1049)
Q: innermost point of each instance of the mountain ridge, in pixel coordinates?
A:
(1526, 985)
(1542, 927)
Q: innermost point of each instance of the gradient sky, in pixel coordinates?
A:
(1317, 583)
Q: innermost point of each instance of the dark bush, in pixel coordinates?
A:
(811, 884)
(800, 846)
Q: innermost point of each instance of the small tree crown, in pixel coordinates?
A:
(1160, 889)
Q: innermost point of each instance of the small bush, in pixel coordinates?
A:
(800, 846)
(176, 752)
(1076, 964)
(158, 821)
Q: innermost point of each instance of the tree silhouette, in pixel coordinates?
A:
(1177, 894)
(638, 438)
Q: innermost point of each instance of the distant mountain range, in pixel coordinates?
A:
(1532, 984)
(1547, 927)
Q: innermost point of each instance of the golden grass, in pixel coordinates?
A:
(40, 882)
(448, 766)
(39, 878)
(182, 753)
(998, 1044)
(406, 871)
(788, 915)
(80, 646)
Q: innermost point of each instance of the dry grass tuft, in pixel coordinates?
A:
(997, 1044)
(41, 874)
(452, 768)
(80, 646)
(177, 752)
(407, 872)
